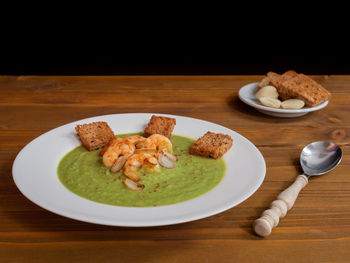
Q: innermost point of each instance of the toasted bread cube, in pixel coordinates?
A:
(212, 145)
(160, 125)
(95, 135)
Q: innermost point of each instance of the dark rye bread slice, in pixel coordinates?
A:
(160, 125)
(275, 79)
(264, 82)
(212, 145)
(304, 88)
(95, 135)
(271, 78)
(289, 74)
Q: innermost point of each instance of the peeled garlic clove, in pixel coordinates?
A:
(267, 92)
(270, 102)
(132, 174)
(152, 160)
(165, 162)
(292, 104)
(119, 164)
(132, 185)
(172, 157)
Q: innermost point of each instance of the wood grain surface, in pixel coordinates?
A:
(317, 229)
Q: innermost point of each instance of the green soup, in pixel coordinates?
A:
(83, 173)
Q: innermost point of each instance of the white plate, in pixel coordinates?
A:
(247, 95)
(35, 174)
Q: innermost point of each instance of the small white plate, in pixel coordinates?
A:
(247, 95)
(35, 174)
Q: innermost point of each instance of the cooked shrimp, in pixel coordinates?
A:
(150, 151)
(104, 149)
(136, 139)
(137, 161)
(158, 142)
(117, 148)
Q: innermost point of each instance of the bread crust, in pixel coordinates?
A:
(95, 135)
(304, 88)
(160, 125)
(289, 74)
(213, 145)
(291, 85)
(264, 82)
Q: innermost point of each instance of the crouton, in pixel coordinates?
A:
(160, 125)
(212, 145)
(95, 135)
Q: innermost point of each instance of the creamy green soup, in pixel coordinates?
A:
(83, 173)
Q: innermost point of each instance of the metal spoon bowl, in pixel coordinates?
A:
(319, 158)
(316, 158)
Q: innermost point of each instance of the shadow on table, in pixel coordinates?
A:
(28, 217)
(252, 114)
(22, 215)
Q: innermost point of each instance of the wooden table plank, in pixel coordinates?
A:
(317, 229)
(181, 251)
(323, 125)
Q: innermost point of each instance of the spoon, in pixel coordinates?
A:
(317, 158)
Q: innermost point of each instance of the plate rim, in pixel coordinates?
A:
(283, 111)
(170, 222)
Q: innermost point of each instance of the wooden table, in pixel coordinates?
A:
(317, 229)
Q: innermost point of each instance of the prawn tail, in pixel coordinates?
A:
(131, 173)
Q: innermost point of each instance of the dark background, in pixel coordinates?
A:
(226, 47)
(176, 58)
(214, 60)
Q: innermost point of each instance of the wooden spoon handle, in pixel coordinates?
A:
(278, 208)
